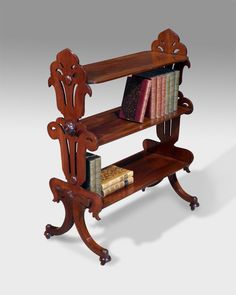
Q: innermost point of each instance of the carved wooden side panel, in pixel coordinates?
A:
(69, 80)
(168, 131)
(74, 140)
(168, 42)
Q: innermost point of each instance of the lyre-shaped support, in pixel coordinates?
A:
(168, 42)
(168, 133)
(69, 80)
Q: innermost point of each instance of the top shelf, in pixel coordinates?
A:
(114, 68)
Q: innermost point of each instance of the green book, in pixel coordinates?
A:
(171, 92)
(167, 96)
(176, 90)
(93, 173)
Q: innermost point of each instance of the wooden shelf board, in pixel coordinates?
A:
(114, 68)
(107, 126)
(154, 167)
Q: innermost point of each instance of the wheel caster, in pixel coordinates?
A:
(194, 204)
(105, 257)
(47, 235)
(187, 169)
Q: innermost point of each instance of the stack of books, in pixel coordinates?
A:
(150, 94)
(107, 180)
(114, 178)
(93, 173)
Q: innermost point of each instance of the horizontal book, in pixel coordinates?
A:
(113, 174)
(116, 186)
(135, 99)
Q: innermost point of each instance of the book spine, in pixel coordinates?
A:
(89, 184)
(171, 92)
(152, 100)
(163, 95)
(176, 90)
(98, 175)
(117, 186)
(117, 179)
(158, 95)
(143, 99)
(167, 97)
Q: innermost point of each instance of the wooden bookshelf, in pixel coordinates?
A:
(158, 160)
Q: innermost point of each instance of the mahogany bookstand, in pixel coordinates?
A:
(158, 159)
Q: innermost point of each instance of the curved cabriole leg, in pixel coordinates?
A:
(181, 192)
(78, 213)
(60, 195)
(67, 224)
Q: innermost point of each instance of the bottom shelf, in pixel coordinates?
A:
(150, 167)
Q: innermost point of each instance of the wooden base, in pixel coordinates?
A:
(157, 162)
(74, 213)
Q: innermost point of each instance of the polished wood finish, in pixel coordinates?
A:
(107, 126)
(76, 135)
(143, 61)
(156, 164)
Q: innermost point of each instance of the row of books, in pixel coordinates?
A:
(107, 180)
(150, 94)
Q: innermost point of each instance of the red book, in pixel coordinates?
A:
(163, 94)
(151, 106)
(158, 95)
(134, 103)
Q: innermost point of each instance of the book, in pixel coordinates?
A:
(113, 174)
(116, 186)
(158, 95)
(135, 99)
(167, 94)
(163, 94)
(171, 92)
(93, 173)
(176, 90)
(154, 108)
(98, 188)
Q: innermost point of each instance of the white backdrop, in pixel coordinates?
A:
(157, 244)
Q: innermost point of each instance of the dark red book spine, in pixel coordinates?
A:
(135, 99)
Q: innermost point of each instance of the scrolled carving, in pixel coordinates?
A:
(168, 42)
(73, 148)
(69, 80)
(183, 101)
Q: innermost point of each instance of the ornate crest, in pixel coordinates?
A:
(69, 80)
(168, 42)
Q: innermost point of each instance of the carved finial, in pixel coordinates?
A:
(168, 42)
(69, 80)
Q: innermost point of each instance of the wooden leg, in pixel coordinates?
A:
(181, 192)
(78, 213)
(68, 221)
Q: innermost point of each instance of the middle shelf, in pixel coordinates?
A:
(107, 126)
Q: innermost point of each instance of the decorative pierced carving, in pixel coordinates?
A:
(69, 80)
(168, 42)
(184, 101)
(74, 140)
